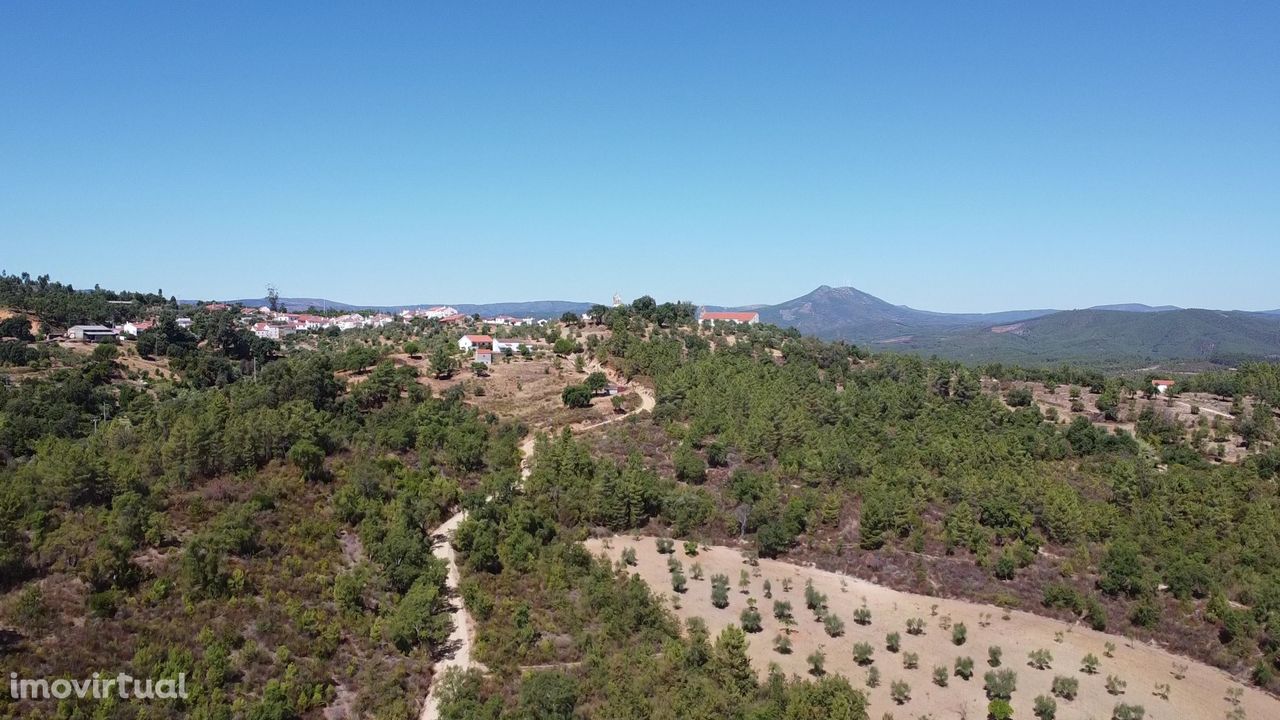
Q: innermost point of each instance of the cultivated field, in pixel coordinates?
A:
(1201, 692)
(523, 390)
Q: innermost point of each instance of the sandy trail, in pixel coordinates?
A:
(1201, 694)
(462, 638)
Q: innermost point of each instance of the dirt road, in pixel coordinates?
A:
(461, 639)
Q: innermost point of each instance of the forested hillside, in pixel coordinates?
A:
(902, 469)
(264, 532)
(259, 516)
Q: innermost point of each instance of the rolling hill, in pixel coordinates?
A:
(850, 314)
(1112, 334)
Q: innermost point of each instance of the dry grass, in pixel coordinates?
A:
(526, 391)
(1201, 693)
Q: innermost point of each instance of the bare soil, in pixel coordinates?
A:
(1200, 693)
(527, 391)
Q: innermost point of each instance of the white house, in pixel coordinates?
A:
(133, 328)
(512, 344)
(470, 342)
(183, 322)
(509, 321)
(438, 312)
(272, 331)
(311, 322)
(484, 355)
(350, 321)
(736, 318)
(1162, 386)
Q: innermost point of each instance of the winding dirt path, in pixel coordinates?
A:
(462, 638)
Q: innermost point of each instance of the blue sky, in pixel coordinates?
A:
(950, 156)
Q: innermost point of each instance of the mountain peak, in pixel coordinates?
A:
(844, 291)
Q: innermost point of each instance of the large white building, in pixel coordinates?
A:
(735, 318)
(508, 321)
(439, 312)
(91, 333)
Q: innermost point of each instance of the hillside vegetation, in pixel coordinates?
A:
(817, 450)
(259, 518)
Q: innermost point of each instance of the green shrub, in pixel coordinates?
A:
(1066, 687)
(999, 710)
(899, 691)
(862, 653)
(833, 625)
(892, 642)
(1000, 684)
(1045, 708)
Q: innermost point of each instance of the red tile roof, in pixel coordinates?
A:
(1163, 382)
(738, 316)
(479, 338)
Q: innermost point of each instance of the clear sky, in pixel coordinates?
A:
(950, 156)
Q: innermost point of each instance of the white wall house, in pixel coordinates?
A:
(133, 328)
(509, 321)
(735, 318)
(512, 344)
(350, 321)
(438, 312)
(272, 331)
(470, 342)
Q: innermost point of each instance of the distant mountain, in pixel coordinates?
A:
(1136, 307)
(532, 308)
(295, 304)
(851, 314)
(1112, 334)
(1090, 336)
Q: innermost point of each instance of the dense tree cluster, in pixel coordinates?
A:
(62, 305)
(197, 522)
